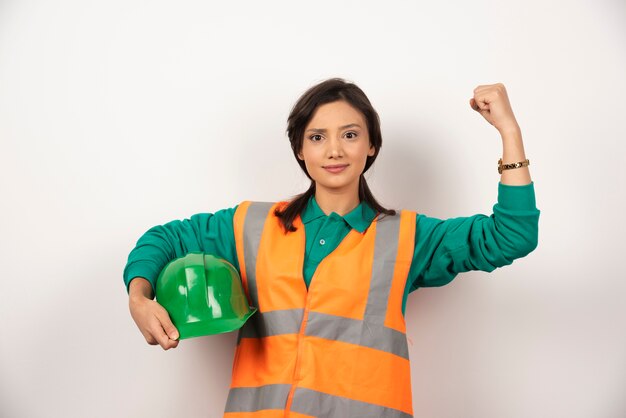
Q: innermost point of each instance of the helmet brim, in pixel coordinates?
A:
(212, 326)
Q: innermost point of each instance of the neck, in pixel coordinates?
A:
(338, 201)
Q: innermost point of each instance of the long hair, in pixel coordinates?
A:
(328, 91)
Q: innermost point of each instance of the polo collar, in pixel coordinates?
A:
(358, 218)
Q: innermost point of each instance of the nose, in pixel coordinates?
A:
(335, 149)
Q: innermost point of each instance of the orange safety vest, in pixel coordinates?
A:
(338, 350)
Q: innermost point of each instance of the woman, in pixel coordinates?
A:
(330, 271)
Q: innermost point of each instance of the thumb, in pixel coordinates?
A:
(473, 104)
(479, 106)
(483, 109)
(167, 325)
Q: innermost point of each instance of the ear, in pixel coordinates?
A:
(300, 156)
(372, 151)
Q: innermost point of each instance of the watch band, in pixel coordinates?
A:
(512, 165)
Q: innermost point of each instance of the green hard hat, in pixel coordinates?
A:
(203, 295)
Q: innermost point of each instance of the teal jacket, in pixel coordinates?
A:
(443, 248)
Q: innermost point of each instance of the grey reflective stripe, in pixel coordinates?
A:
(265, 324)
(331, 327)
(385, 252)
(252, 230)
(251, 399)
(323, 405)
(359, 332)
(305, 401)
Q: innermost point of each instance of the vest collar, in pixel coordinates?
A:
(358, 218)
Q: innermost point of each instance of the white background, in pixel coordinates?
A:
(119, 115)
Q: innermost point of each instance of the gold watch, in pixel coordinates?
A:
(512, 165)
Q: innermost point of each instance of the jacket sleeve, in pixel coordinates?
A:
(445, 248)
(211, 233)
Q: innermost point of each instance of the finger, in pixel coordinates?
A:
(170, 344)
(481, 103)
(159, 335)
(486, 87)
(167, 324)
(170, 330)
(163, 339)
(482, 88)
(148, 337)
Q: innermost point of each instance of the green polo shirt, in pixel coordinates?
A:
(324, 233)
(443, 248)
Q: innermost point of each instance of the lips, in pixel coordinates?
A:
(335, 168)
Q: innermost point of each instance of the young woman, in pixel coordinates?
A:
(330, 270)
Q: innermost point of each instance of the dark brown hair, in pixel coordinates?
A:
(328, 91)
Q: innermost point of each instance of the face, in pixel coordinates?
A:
(336, 146)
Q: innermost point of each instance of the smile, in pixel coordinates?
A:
(336, 168)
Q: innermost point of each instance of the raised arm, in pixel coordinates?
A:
(445, 248)
(492, 102)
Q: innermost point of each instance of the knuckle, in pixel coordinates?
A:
(166, 346)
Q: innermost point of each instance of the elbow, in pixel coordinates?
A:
(527, 246)
(519, 241)
(533, 244)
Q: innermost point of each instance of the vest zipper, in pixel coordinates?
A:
(296, 371)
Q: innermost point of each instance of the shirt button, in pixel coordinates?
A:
(322, 242)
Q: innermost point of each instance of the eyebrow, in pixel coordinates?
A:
(350, 125)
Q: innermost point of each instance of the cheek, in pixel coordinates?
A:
(310, 153)
(364, 150)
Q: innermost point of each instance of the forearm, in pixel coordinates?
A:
(513, 152)
(140, 287)
(203, 232)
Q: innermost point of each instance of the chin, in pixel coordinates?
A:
(337, 186)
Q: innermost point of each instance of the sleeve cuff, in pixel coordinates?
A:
(517, 197)
(140, 270)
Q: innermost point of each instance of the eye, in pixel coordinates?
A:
(351, 135)
(315, 137)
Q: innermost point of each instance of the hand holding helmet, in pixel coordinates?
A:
(151, 318)
(203, 295)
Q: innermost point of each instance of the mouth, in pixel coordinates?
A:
(336, 168)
